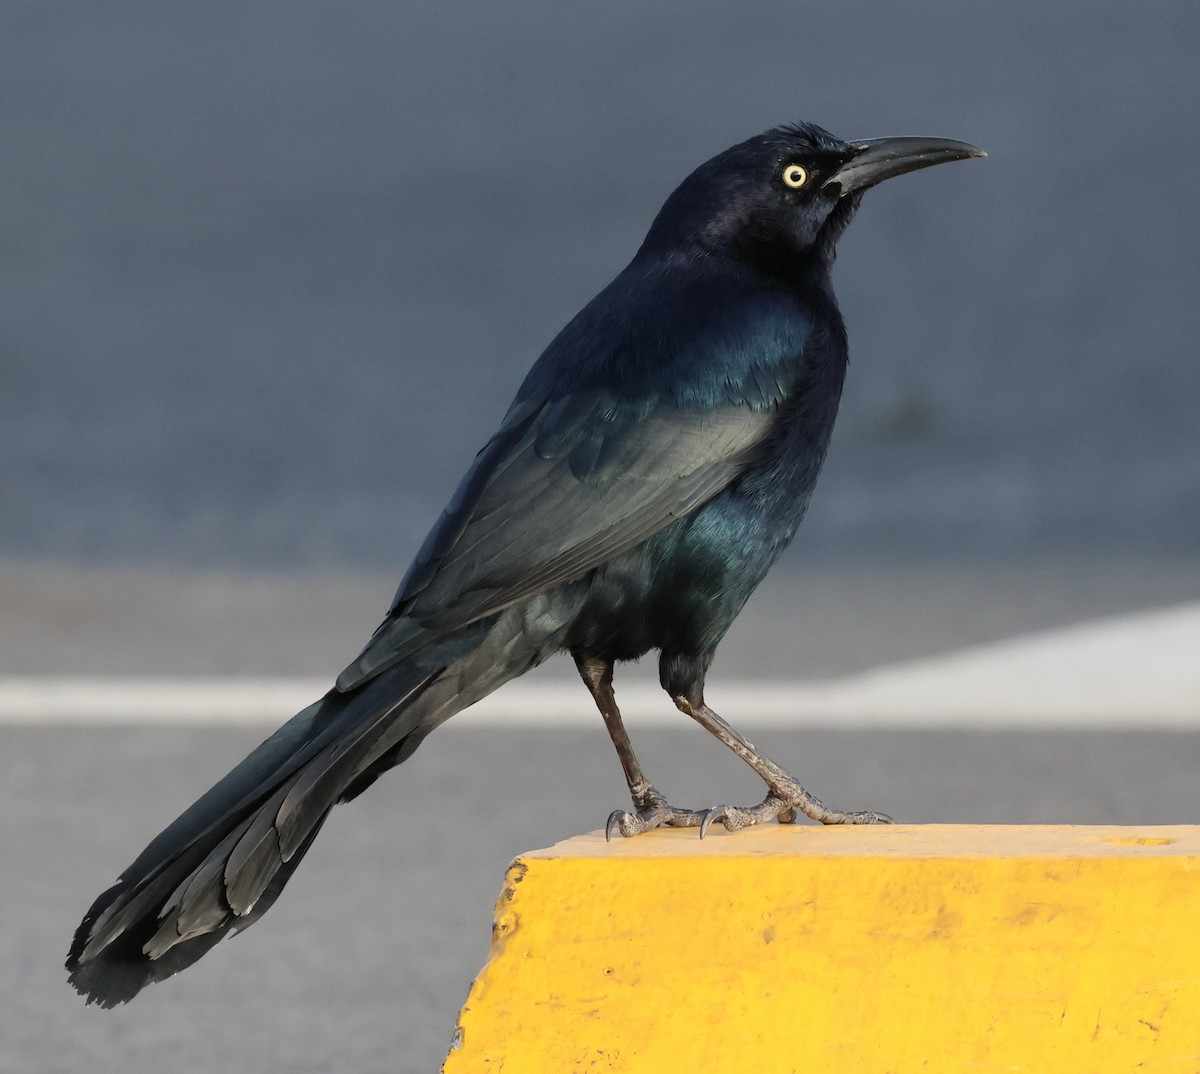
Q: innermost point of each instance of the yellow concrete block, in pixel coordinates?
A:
(938, 948)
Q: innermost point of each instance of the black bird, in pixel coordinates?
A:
(655, 462)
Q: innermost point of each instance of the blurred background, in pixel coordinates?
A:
(270, 273)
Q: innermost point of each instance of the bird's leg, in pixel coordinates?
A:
(785, 795)
(597, 675)
(652, 809)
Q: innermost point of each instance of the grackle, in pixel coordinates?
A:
(657, 459)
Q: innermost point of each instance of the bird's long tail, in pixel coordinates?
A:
(223, 862)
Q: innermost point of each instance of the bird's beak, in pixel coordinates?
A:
(877, 159)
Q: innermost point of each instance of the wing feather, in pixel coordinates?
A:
(558, 491)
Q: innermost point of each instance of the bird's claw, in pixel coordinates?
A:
(653, 811)
(731, 817)
(735, 818)
(862, 816)
(618, 820)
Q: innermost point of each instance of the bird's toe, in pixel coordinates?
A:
(792, 798)
(653, 811)
(862, 816)
(628, 824)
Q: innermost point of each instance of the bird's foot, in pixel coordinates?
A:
(796, 798)
(652, 811)
(782, 804)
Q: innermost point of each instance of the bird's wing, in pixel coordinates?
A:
(561, 488)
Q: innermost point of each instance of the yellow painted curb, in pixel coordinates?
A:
(939, 948)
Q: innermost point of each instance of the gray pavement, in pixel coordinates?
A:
(817, 620)
(364, 962)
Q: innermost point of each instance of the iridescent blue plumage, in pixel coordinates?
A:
(657, 459)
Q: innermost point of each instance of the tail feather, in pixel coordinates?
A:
(125, 966)
(317, 786)
(221, 864)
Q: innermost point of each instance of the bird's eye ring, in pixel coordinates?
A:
(795, 176)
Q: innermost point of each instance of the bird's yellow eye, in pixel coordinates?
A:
(795, 176)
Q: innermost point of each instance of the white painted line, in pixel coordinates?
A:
(1137, 670)
(104, 700)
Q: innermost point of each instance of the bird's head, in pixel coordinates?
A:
(784, 197)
